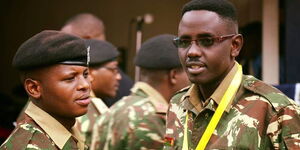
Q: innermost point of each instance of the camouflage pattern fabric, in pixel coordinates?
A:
(29, 135)
(39, 130)
(260, 117)
(86, 122)
(135, 122)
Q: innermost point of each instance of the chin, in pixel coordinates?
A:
(111, 95)
(83, 112)
(193, 78)
(197, 80)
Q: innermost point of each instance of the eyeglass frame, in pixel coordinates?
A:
(218, 39)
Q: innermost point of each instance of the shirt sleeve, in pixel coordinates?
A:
(27, 137)
(284, 128)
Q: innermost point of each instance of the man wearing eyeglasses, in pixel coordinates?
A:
(224, 109)
(105, 79)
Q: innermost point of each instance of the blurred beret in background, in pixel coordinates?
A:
(48, 48)
(101, 52)
(158, 52)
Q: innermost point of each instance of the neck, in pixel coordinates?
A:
(207, 89)
(163, 90)
(68, 123)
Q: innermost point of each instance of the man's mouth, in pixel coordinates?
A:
(195, 68)
(83, 101)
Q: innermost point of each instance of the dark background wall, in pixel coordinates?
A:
(292, 44)
(22, 19)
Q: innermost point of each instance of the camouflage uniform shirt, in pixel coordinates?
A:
(86, 122)
(135, 122)
(39, 130)
(258, 117)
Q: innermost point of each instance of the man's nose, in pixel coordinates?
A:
(194, 50)
(84, 83)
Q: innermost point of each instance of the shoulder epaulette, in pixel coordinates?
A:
(23, 133)
(269, 92)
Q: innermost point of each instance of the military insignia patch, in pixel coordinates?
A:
(169, 141)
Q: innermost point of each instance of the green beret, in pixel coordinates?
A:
(101, 52)
(158, 52)
(48, 48)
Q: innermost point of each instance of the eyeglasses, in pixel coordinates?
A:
(203, 41)
(114, 70)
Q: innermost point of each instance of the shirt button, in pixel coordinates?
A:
(206, 116)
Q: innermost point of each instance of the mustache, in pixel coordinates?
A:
(194, 61)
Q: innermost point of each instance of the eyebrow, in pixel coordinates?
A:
(74, 72)
(205, 35)
(185, 37)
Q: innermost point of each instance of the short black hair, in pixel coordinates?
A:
(223, 8)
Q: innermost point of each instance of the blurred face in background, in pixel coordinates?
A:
(105, 79)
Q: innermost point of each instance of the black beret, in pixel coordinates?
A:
(101, 52)
(48, 48)
(158, 52)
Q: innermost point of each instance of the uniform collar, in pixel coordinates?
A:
(159, 102)
(193, 93)
(57, 132)
(99, 104)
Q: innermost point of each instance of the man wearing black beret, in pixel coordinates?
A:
(138, 121)
(105, 79)
(53, 70)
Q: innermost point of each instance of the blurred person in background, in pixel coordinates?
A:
(138, 121)
(105, 79)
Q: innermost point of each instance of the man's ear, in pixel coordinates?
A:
(236, 45)
(173, 76)
(33, 88)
